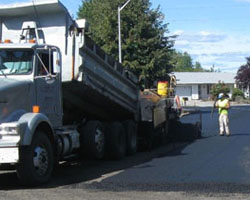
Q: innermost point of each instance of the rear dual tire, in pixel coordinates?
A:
(116, 141)
(93, 140)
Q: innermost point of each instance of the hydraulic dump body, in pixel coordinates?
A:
(106, 91)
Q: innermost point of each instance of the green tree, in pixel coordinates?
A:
(183, 62)
(145, 47)
(219, 88)
(237, 93)
(243, 75)
(198, 67)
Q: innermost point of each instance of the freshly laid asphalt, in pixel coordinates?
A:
(211, 164)
(212, 167)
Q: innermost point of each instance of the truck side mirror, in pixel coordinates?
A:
(57, 62)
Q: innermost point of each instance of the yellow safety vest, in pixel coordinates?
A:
(222, 106)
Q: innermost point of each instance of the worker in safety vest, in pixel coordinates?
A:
(223, 105)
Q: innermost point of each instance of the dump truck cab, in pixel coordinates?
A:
(30, 85)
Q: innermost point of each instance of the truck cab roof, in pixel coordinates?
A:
(18, 46)
(24, 9)
(23, 46)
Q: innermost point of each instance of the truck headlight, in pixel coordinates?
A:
(9, 129)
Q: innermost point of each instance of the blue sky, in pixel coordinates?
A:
(213, 32)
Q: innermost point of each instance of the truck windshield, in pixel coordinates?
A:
(14, 62)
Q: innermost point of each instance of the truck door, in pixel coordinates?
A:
(48, 85)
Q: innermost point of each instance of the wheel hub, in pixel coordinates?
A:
(40, 160)
(99, 140)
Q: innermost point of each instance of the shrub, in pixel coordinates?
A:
(219, 88)
(237, 93)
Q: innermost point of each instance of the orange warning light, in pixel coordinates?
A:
(36, 109)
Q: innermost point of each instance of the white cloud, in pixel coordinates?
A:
(178, 32)
(205, 33)
(224, 51)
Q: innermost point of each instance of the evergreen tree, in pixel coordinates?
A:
(198, 67)
(183, 62)
(145, 47)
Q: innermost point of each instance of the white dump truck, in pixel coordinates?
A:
(60, 94)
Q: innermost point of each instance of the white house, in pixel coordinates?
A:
(197, 85)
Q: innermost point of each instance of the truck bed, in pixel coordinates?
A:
(104, 90)
(81, 101)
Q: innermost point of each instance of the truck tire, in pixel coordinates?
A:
(36, 161)
(131, 136)
(116, 141)
(93, 140)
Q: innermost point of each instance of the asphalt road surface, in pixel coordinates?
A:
(212, 167)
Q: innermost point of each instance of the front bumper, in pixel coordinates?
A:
(9, 155)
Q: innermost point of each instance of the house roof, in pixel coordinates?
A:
(204, 77)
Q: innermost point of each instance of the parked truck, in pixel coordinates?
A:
(61, 95)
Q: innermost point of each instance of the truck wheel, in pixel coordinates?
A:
(131, 136)
(93, 140)
(116, 141)
(36, 161)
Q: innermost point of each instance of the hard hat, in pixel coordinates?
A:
(220, 95)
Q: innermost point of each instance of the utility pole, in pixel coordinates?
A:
(119, 30)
